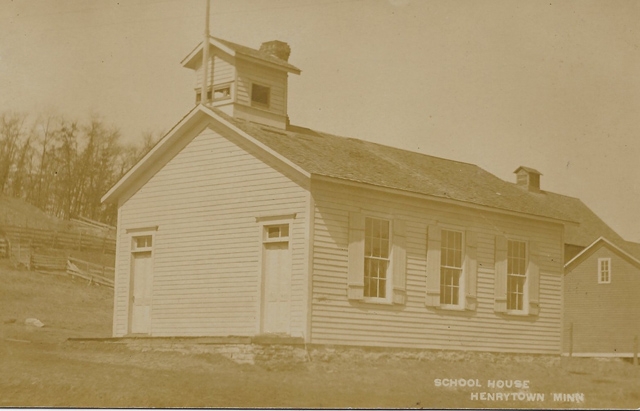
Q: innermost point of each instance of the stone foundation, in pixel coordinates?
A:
(275, 353)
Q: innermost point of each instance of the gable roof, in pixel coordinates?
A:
(374, 164)
(528, 170)
(235, 49)
(597, 244)
(156, 157)
(320, 154)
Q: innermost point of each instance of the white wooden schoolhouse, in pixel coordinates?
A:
(238, 223)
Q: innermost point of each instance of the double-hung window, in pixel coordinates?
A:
(450, 267)
(376, 257)
(604, 270)
(516, 275)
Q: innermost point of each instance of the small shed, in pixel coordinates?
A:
(601, 304)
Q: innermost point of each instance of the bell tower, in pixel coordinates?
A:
(243, 82)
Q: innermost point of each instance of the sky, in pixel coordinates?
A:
(550, 85)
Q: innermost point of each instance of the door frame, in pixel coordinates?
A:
(132, 234)
(263, 224)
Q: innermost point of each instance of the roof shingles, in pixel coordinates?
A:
(370, 163)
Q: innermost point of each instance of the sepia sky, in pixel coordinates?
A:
(550, 85)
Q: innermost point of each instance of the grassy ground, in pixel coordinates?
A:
(41, 368)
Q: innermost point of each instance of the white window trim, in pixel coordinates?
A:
(600, 261)
(282, 239)
(462, 281)
(133, 233)
(230, 97)
(388, 299)
(263, 222)
(257, 104)
(525, 291)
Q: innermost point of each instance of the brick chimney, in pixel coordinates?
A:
(276, 48)
(528, 178)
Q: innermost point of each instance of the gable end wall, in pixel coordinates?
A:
(605, 317)
(206, 265)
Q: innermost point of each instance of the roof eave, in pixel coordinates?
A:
(137, 169)
(589, 249)
(192, 58)
(187, 121)
(447, 200)
(288, 68)
(196, 54)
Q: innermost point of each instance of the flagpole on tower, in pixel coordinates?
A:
(205, 57)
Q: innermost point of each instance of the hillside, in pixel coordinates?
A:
(41, 367)
(18, 213)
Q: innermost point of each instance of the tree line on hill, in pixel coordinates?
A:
(64, 166)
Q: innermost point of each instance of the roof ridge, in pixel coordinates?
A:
(386, 146)
(255, 53)
(552, 193)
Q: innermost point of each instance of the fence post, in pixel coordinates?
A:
(571, 340)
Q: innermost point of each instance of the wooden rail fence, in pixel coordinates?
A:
(39, 238)
(93, 272)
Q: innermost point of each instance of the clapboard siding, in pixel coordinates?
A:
(222, 71)
(206, 251)
(605, 317)
(336, 320)
(249, 73)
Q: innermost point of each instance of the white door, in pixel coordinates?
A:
(277, 287)
(141, 293)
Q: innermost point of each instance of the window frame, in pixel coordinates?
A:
(260, 104)
(525, 287)
(280, 238)
(222, 86)
(134, 233)
(462, 269)
(134, 242)
(600, 270)
(388, 297)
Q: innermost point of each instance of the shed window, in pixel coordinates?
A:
(516, 274)
(260, 95)
(604, 270)
(450, 267)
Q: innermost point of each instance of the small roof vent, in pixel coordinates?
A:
(276, 48)
(528, 178)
